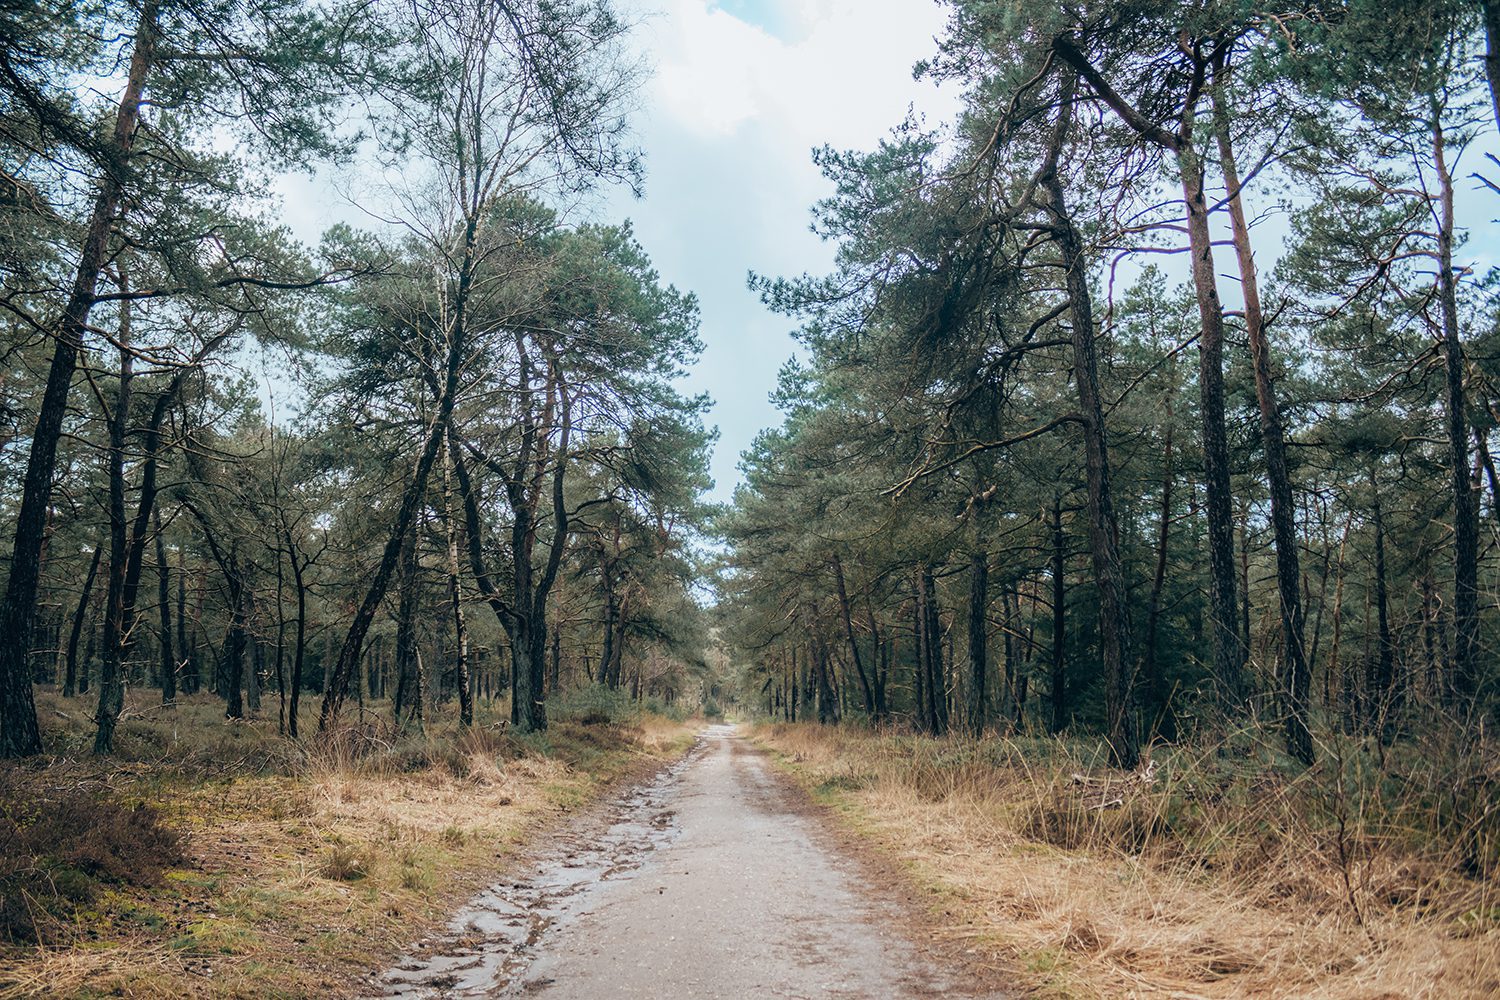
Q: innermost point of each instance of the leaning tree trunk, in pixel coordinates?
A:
(19, 735)
(337, 683)
(70, 674)
(859, 666)
(1296, 675)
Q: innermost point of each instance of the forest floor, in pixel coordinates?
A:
(215, 859)
(1200, 878)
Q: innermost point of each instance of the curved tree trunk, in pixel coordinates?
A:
(70, 675)
(19, 735)
(1296, 676)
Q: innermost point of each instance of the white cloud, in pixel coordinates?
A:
(838, 78)
(728, 124)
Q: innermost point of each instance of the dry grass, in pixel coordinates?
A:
(1215, 880)
(309, 865)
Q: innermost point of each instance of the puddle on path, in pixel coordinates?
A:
(494, 937)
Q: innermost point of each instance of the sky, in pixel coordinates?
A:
(742, 92)
(739, 94)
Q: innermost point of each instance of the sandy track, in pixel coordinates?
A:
(707, 882)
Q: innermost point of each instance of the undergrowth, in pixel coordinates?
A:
(219, 859)
(1217, 869)
(61, 846)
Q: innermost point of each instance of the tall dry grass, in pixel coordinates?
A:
(1216, 871)
(311, 862)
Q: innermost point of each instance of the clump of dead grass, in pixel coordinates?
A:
(1226, 874)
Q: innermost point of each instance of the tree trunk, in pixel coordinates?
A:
(979, 600)
(1114, 612)
(1296, 676)
(1386, 693)
(1163, 720)
(257, 669)
(234, 641)
(937, 685)
(70, 675)
(1491, 476)
(607, 654)
(1465, 678)
(554, 661)
(408, 704)
(300, 648)
(882, 651)
(164, 612)
(1228, 645)
(455, 593)
(792, 702)
(19, 735)
(919, 655)
(111, 679)
(827, 704)
(617, 641)
(336, 684)
(1492, 51)
(1060, 708)
(859, 666)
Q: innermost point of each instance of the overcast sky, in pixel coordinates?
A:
(742, 92)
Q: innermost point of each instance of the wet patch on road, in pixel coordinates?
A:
(490, 942)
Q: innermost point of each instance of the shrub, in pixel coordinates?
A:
(57, 846)
(595, 705)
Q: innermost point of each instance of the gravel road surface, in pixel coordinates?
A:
(711, 881)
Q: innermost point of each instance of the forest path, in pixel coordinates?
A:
(708, 882)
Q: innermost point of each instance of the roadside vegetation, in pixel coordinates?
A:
(217, 859)
(1216, 871)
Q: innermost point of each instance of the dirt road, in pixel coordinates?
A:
(707, 882)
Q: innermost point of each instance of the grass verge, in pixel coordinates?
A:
(1216, 877)
(297, 868)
